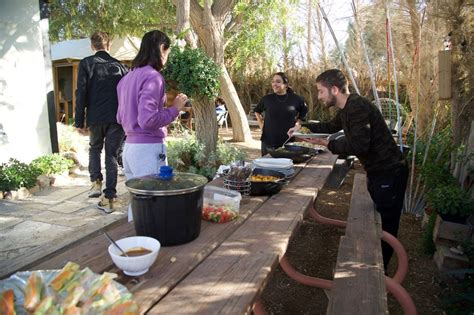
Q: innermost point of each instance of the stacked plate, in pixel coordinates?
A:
(282, 165)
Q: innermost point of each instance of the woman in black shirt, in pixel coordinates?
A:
(283, 108)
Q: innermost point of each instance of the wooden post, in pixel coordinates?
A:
(444, 74)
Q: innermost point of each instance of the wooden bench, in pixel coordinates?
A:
(359, 286)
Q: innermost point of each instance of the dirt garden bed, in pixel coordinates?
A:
(313, 251)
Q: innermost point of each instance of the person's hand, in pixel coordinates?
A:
(179, 101)
(318, 141)
(291, 131)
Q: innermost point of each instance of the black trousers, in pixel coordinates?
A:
(388, 191)
(112, 136)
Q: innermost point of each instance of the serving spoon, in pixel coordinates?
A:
(115, 244)
(283, 145)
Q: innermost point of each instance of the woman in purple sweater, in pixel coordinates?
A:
(142, 112)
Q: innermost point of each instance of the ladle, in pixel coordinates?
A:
(115, 244)
(283, 145)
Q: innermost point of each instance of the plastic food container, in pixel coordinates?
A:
(220, 205)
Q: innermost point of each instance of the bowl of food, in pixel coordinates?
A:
(266, 182)
(141, 254)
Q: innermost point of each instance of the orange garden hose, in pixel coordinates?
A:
(400, 252)
(393, 285)
(400, 294)
(258, 308)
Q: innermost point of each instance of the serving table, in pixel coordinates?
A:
(225, 268)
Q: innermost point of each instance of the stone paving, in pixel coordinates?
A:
(52, 218)
(61, 214)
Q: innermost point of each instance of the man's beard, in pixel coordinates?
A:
(331, 101)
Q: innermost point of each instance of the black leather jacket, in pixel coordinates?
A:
(96, 94)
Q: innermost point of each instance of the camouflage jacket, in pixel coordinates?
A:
(366, 136)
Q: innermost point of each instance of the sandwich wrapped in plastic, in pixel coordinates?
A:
(70, 291)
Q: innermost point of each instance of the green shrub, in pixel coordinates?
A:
(193, 72)
(187, 155)
(52, 164)
(15, 174)
(450, 199)
(435, 174)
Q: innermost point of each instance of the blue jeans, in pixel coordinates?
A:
(110, 135)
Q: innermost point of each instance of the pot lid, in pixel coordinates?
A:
(166, 183)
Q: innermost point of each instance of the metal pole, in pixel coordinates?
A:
(344, 61)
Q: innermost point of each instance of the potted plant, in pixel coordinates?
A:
(451, 202)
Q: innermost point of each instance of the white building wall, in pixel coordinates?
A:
(24, 125)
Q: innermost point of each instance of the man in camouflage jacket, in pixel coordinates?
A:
(367, 137)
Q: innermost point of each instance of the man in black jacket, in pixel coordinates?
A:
(367, 137)
(96, 99)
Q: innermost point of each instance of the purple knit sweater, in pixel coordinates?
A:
(141, 111)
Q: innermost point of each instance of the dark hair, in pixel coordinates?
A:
(100, 40)
(284, 77)
(149, 53)
(333, 77)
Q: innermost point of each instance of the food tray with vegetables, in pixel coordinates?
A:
(67, 291)
(220, 205)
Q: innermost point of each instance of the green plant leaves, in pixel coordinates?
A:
(193, 72)
(15, 174)
(52, 164)
(187, 155)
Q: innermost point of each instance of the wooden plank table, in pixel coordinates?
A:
(225, 268)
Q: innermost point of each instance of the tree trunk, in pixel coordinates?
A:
(182, 18)
(205, 123)
(240, 125)
(210, 30)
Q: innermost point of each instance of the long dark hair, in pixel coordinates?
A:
(149, 53)
(285, 79)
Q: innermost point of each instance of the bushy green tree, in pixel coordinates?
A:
(80, 18)
(195, 74)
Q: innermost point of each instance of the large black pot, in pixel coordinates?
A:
(266, 188)
(168, 209)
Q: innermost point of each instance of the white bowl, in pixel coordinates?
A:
(137, 265)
